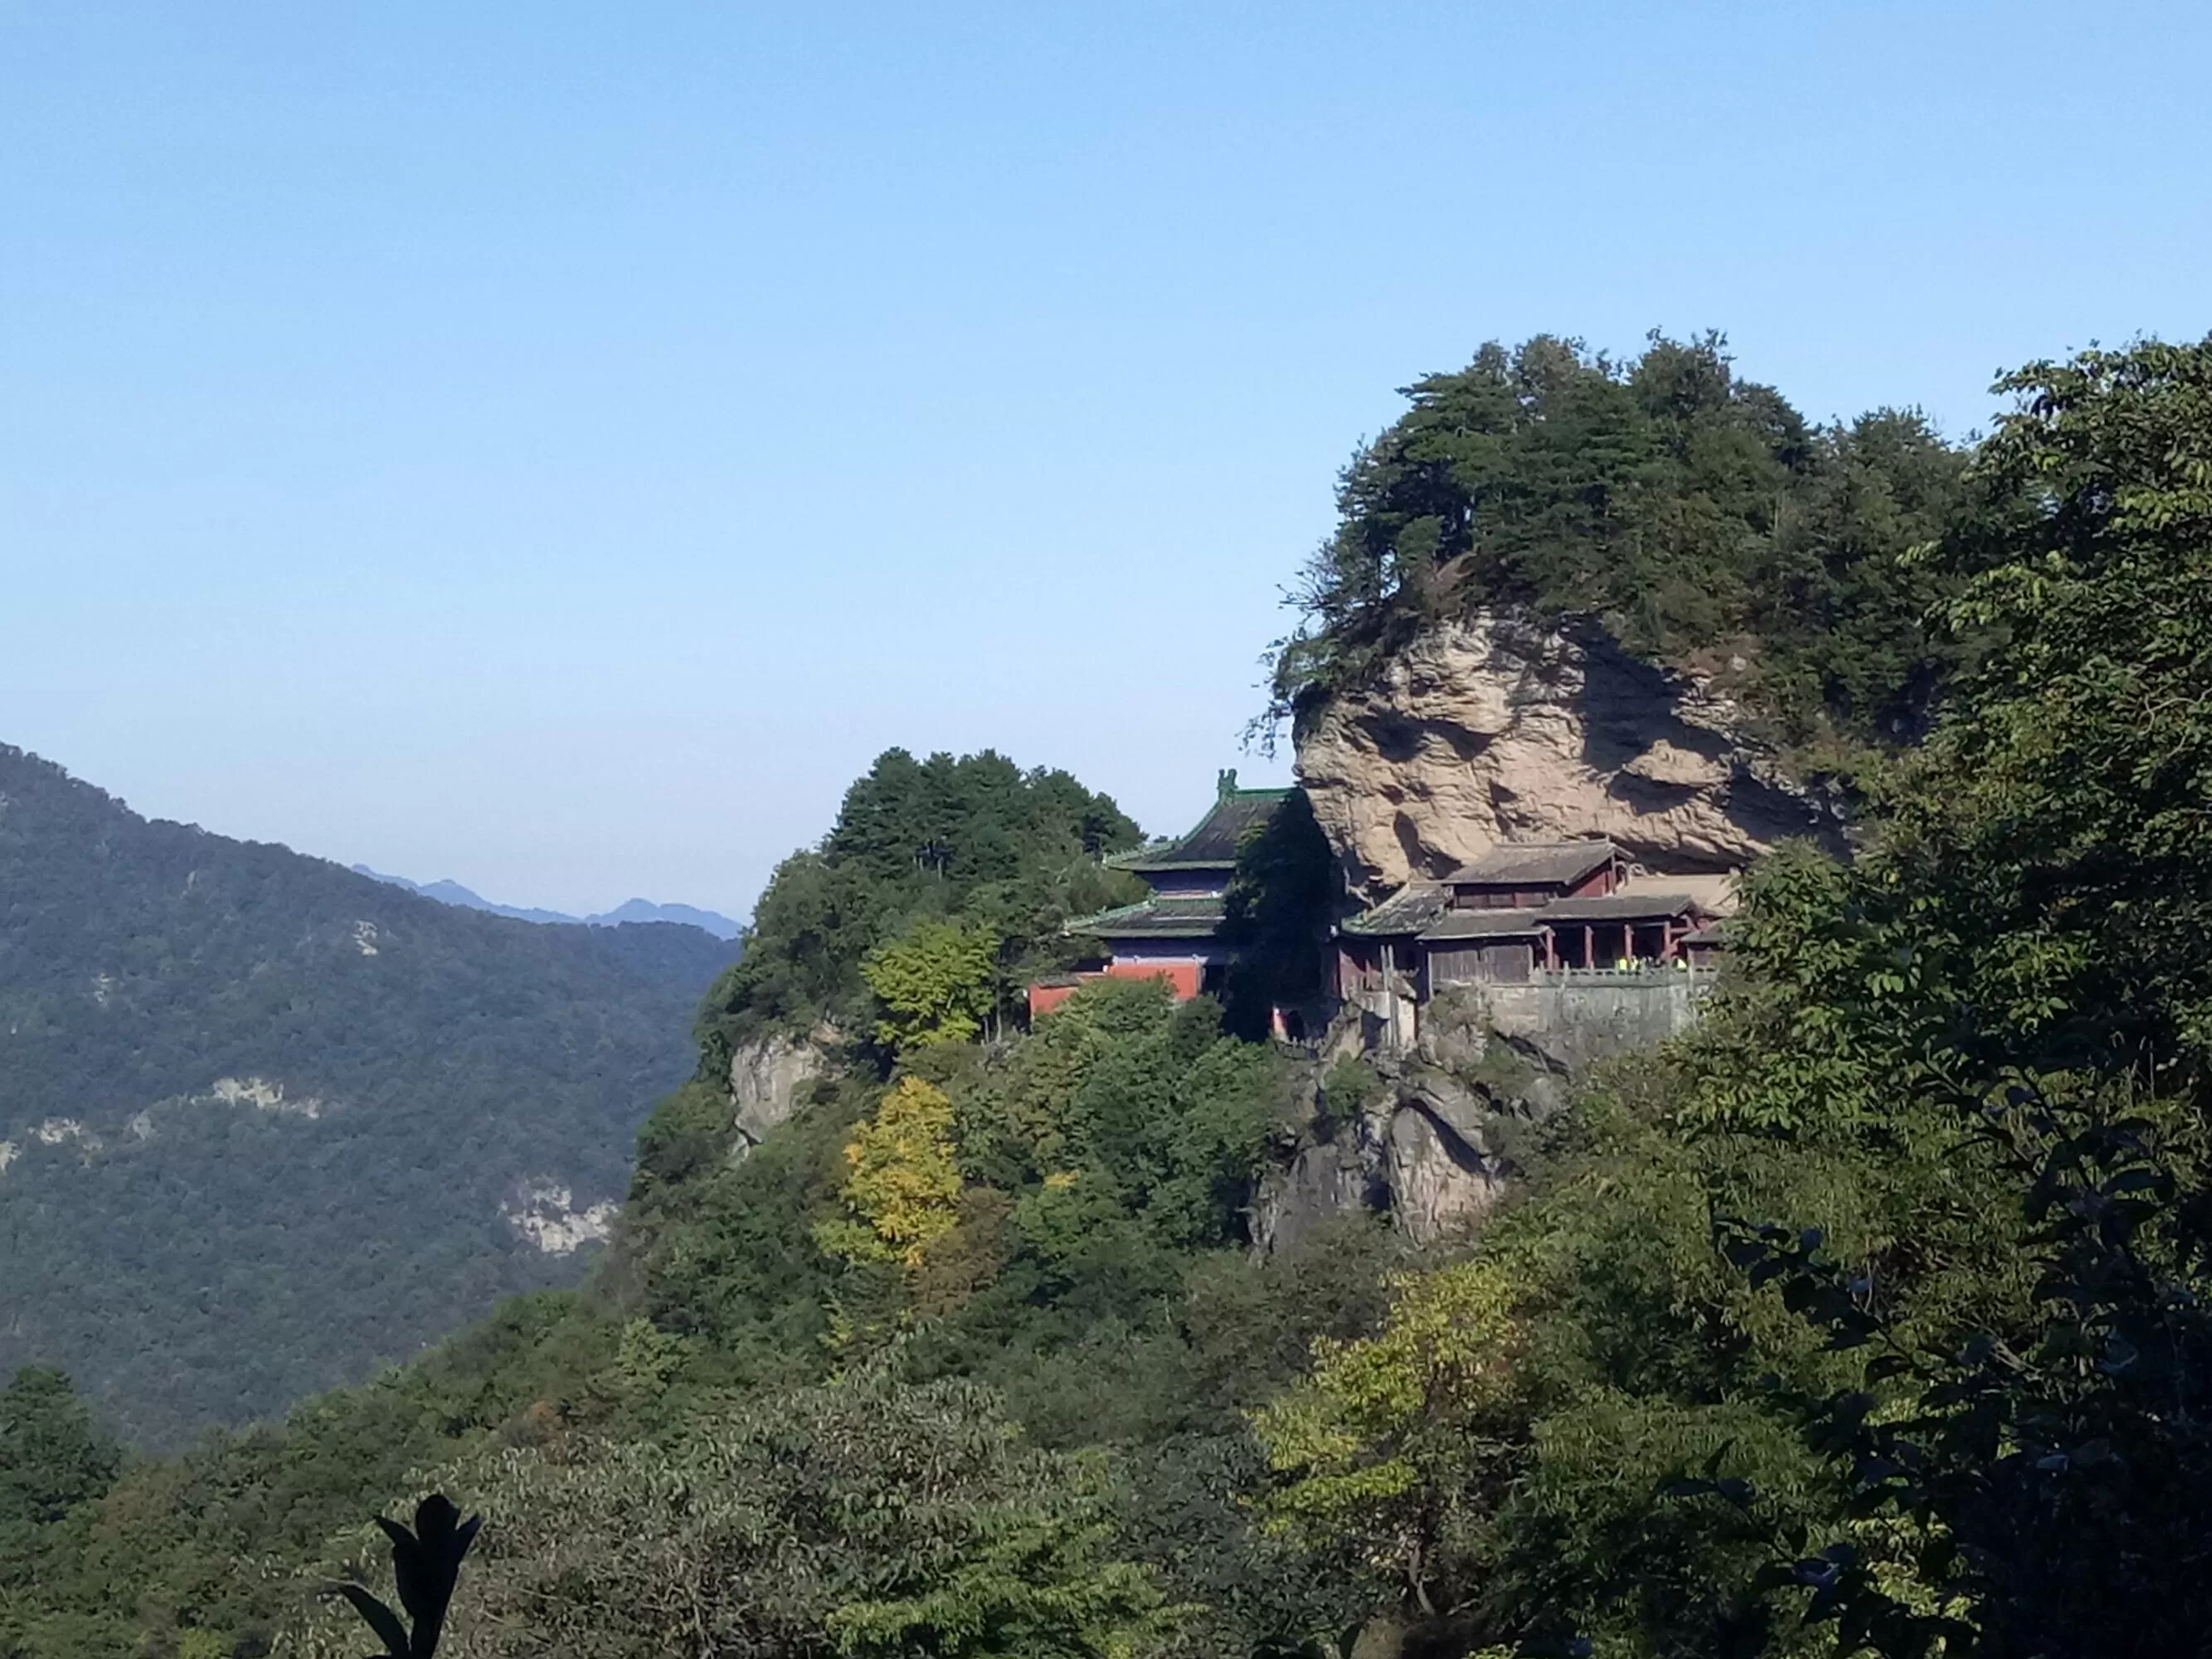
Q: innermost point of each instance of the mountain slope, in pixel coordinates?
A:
(632, 911)
(264, 1122)
(449, 891)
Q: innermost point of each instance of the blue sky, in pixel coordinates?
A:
(556, 446)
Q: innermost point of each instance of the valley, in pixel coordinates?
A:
(266, 1125)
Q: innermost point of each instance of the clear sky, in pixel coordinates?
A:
(557, 445)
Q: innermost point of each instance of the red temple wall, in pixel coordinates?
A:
(1184, 979)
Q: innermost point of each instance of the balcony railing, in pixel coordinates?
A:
(1649, 973)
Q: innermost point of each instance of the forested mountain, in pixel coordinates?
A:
(630, 910)
(634, 910)
(1873, 1316)
(264, 1122)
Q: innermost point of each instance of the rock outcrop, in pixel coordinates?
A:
(766, 1077)
(1494, 730)
(1425, 1149)
(545, 1212)
(1443, 1177)
(1338, 1176)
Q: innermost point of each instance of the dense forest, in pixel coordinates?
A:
(1869, 1317)
(968, 866)
(263, 1116)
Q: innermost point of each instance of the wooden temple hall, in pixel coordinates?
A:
(1530, 907)
(1522, 912)
(1175, 933)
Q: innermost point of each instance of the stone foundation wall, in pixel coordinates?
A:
(1575, 1019)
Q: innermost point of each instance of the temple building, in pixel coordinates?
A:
(1530, 907)
(1532, 914)
(1175, 932)
(1520, 875)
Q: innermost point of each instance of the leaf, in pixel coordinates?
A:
(435, 1518)
(378, 1617)
(409, 1569)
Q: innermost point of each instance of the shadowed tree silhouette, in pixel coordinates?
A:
(426, 1563)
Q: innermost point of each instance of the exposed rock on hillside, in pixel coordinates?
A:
(1434, 1144)
(1493, 729)
(545, 1212)
(1443, 1176)
(1425, 1149)
(766, 1077)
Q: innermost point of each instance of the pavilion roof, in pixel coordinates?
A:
(1156, 917)
(1211, 843)
(1534, 864)
(1622, 907)
(1489, 924)
(1405, 912)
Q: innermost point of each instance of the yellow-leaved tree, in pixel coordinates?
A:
(903, 1191)
(937, 982)
(1400, 1439)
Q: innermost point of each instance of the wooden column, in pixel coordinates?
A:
(1590, 945)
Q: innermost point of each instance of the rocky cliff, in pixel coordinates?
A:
(1492, 730)
(767, 1077)
(1429, 1146)
(1434, 1141)
(1487, 731)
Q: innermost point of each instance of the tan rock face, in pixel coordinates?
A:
(1438, 1187)
(1491, 730)
(765, 1079)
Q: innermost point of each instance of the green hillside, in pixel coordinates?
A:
(263, 1114)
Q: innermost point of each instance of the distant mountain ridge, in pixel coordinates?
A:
(265, 1123)
(449, 891)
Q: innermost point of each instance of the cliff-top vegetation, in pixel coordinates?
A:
(1693, 515)
(963, 867)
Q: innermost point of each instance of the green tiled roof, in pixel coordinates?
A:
(1155, 917)
(1408, 910)
(1212, 844)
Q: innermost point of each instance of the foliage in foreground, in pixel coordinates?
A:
(864, 1517)
(426, 1568)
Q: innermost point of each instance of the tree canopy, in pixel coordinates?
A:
(1695, 516)
(928, 860)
